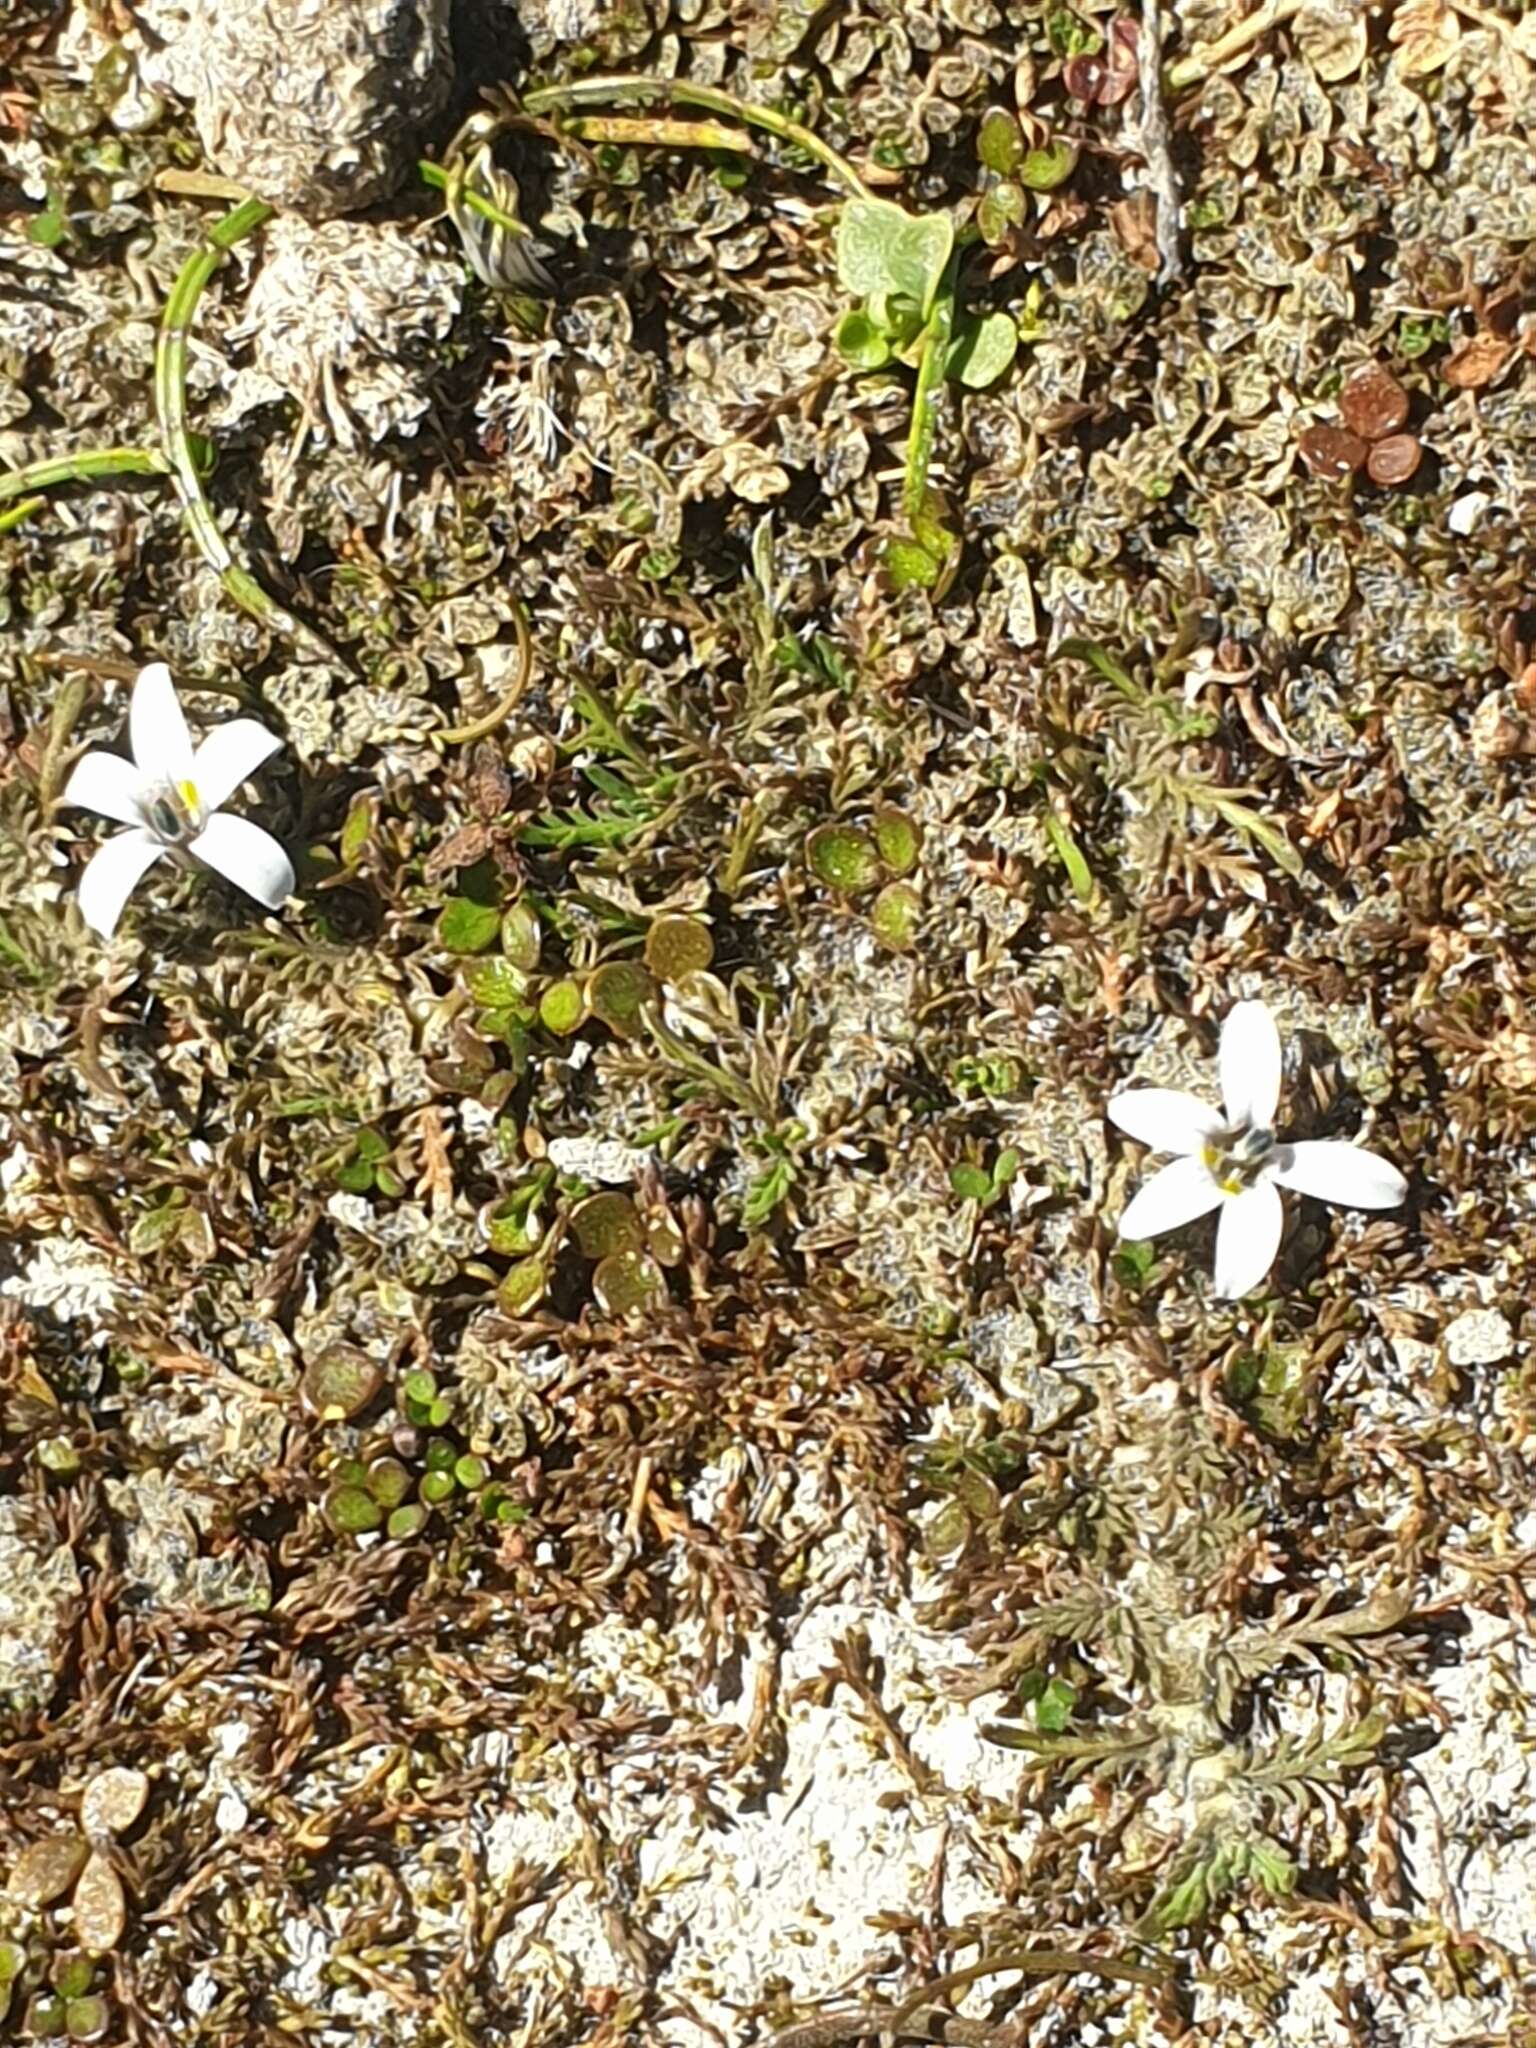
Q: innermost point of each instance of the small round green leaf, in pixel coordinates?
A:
(898, 838)
(495, 983)
(999, 144)
(861, 342)
(468, 927)
(675, 946)
(562, 1007)
(339, 1384)
(982, 350)
(406, 1520)
(844, 857)
(352, 1511)
(618, 993)
(522, 1287)
(628, 1280)
(607, 1223)
(388, 1481)
(522, 936)
(896, 915)
(1044, 169)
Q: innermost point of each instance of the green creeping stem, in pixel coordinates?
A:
(86, 468)
(601, 92)
(175, 440)
(934, 343)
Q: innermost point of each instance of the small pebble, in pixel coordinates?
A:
(1467, 511)
(1480, 1337)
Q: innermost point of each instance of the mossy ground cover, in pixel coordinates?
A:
(576, 1432)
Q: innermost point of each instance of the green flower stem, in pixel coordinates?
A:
(934, 345)
(453, 182)
(600, 92)
(86, 468)
(176, 442)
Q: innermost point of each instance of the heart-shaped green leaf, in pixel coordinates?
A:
(883, 248)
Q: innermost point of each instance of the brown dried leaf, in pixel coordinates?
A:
(45, 1870)
(1134, 222)
(489, 786)
(1331, 36)
(436, 1175)
(460, 849)
(1425, 33)
(113, 1801)
(1476, 363)
(101, 1911)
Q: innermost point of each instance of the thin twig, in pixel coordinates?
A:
(659, 132)
(1156, 142)
(457, 735)
(911, 2018)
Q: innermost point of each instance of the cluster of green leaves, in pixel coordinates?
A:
(852, 859)
(983, 1185)
(1012, 169)
(627, 1250)
(395, 1484)
(903, 270)
(366, 1168)
(69, 2008)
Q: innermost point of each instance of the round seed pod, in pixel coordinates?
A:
(317, 105)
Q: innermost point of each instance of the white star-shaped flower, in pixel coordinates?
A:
(169, 798)
(1234, 1161)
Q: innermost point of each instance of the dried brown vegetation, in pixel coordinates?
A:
(899, 1462)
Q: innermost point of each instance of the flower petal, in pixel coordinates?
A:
(107, 784)
(157, 727)
(1250, 1066)
(111, 875)
(1247, 1238)
(1335, 1172)
(246, 856)
(1175, 1195)
(229, 755)
(1165, 1118)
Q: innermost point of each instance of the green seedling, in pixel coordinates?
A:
(982, 1185)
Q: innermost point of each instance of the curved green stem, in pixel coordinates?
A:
(626, 87)
(85, 468)
(176, 441)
